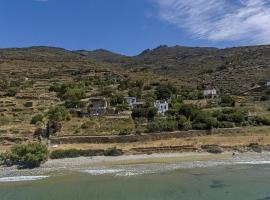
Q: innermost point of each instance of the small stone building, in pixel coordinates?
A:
(99, 106)
(130, 101)
(162, 107)
(210, 93)
(267, 83)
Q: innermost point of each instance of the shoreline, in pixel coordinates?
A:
(136, 164)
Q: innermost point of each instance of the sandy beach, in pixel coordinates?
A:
(177, 160)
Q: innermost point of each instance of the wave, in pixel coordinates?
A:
(142, 169)
(21, 178)
(253, 162)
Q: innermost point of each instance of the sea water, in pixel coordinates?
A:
(244, 181)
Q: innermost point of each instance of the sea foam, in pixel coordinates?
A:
(21, 178)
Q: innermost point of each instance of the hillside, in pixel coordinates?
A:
(47, 91)
(232, 70)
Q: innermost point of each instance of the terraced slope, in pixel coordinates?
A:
(232, 70)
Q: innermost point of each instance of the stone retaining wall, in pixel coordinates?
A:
(145, 137)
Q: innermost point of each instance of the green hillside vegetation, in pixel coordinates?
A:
(47, 91)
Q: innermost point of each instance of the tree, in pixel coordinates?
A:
(189, 111)
(117, 99)
(58, 114)
(148, 113)
(71, 93)
(26, 155)
(227, 101)
(165, 91)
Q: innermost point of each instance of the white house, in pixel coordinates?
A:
(267, 83)
(130, 101)
(210, 93)
(162, 107)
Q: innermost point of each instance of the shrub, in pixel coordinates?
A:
(212, 149)
(125, 131)
(74, 153)
(225, 124)
(37, 118)
(237, 117)
(172, 112)
(71, 93)
(12, 91)
(258, 120)
(113, 152)
(189, 111)
(162, 125)
(116, 99)
(199, 126)
(139, 113)
(227, 101)
(181, 122)
(26, 155)
(204, 119)
(187, 125)
(211, 123)
(122, 107)
(232, 115)
(58, 114)
(149, 113)
(194, 95)
(165, 91)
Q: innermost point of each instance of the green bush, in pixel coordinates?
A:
(149, 113)
(12, 91)
(74, 153)
(37, 118)
(212, 149)
(232, 115)
(71, 93)
(189, 111)
(26, 155)
(162, 125)
(116, 99)
(225, 124)
(122, 107)
(187, 125)
(227, 101)
(165, 91)
(125, 131)
(113, 152)
(204, 120)
(259, 121)
(199, 126)
(181, 122)
(58, 114)
(194, 95)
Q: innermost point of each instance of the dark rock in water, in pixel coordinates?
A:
(217, 184)
(266, 198)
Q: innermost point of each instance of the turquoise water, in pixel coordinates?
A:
(238, 182)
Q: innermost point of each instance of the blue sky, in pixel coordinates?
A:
(130, 26)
